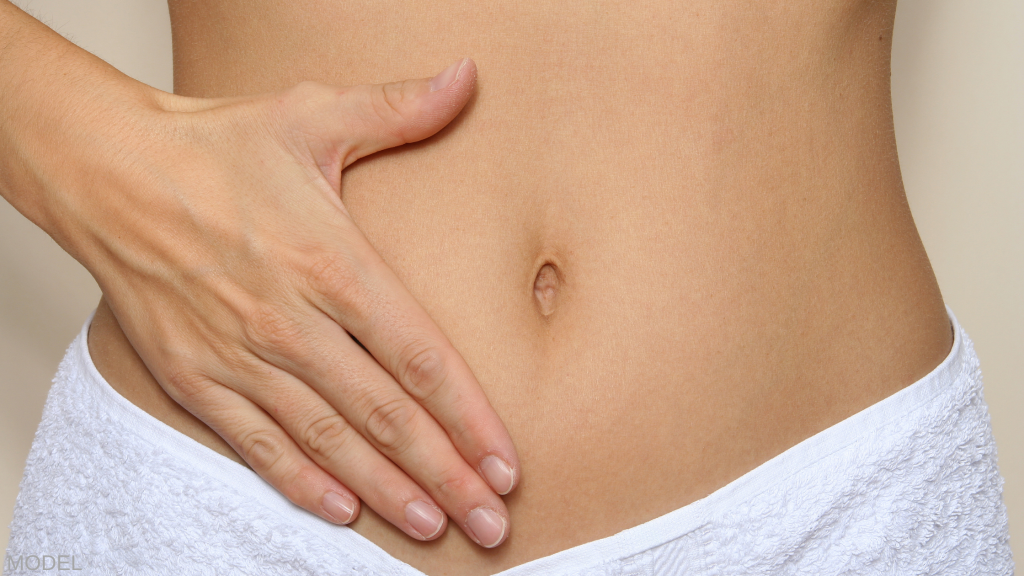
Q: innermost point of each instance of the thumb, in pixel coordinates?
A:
(387, 115)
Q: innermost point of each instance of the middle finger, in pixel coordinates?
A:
(351, 381)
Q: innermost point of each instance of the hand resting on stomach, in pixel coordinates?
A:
(655, 298)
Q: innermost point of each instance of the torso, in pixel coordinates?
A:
(734, 267)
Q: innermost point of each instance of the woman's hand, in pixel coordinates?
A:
(216, 230)
(244, 276)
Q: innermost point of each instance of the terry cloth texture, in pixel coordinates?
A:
(907, 486)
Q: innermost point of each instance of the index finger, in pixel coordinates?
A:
(383, 315)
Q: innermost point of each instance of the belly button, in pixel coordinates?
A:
(545, 288)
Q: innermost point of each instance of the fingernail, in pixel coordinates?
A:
(447, 77)
(499, 474)
(338, 507)
(426, 519)
(487, 527)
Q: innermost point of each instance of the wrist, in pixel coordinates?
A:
(65, 117)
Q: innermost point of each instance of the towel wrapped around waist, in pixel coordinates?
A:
(909, 485)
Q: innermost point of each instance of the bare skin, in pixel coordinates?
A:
(670, 242)
(216, 230)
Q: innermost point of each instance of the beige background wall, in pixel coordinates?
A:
(958, 92)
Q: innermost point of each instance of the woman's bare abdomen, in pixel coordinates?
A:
(670, 239)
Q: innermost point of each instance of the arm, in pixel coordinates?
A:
(216, 231)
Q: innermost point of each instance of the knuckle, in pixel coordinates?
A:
(390, 424)
(303, 110)
(290, 103)
(341, 278)
(453, 486)
(326, 435)
(271, 329)
(390, 106)
(262, 449)
(298, 483)
(423, 370)
(307, 88)
(303, 94)
(187, 386)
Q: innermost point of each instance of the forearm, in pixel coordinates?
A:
(63, 113)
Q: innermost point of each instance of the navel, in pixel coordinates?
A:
(545, 288)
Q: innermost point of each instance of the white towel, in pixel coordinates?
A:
(909, 485)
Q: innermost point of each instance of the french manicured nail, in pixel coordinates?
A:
(447, 77)
(426, 519)
(499, 474)
(338, 507)
(487, 527)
